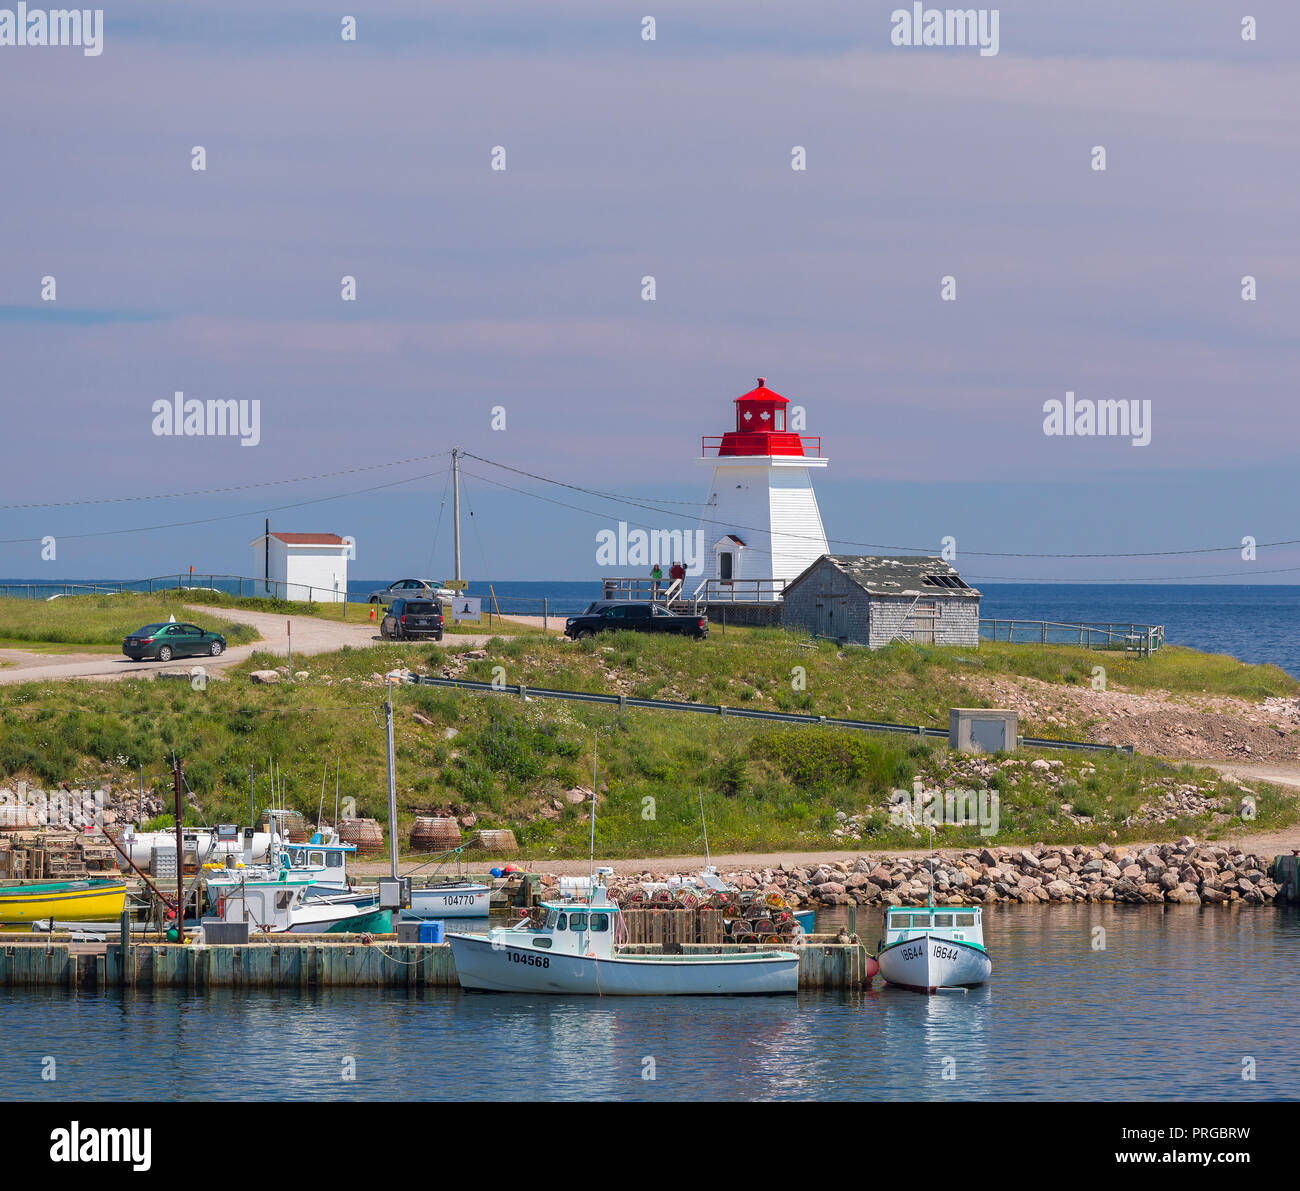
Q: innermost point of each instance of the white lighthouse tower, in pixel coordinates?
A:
(761, 517)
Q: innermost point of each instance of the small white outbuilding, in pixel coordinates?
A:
(302, 566)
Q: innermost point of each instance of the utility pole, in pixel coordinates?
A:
(455, 513)
(180, 854)
(392, 784)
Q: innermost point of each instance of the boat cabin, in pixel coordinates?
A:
(567, 928)
(962, 924)
(263, 901)
(326, 861)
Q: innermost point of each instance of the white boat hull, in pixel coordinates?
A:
(484, 967)
(450, 901)
(927, 963)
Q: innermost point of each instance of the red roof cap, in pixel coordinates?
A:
(762, 393)
(309, 539)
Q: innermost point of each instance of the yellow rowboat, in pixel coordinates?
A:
(93, 900)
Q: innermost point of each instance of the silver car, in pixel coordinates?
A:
(424, 588)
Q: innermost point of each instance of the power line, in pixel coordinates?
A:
(322, 475)
(108, 533)
(879, 546)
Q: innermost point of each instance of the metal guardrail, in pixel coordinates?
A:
(1142, 639)
(742, 713)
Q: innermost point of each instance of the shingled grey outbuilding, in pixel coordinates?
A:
(875, 599)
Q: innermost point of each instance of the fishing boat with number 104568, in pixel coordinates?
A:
(571, 947)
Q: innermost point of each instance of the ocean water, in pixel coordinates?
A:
(1174, 1007)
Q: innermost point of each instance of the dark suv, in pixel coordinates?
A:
(636, 617)
(404, 619)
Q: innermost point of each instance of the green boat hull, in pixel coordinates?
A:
(377, 922)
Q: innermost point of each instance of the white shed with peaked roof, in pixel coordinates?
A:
(303, 566)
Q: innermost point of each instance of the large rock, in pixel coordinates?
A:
(265, 677)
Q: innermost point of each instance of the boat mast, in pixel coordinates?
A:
(708, 860)
(180, 853)
(591, 867)
(392, 781)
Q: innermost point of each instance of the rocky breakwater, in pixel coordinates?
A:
(1183, 873)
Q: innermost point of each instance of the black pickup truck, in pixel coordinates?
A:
(609, 616)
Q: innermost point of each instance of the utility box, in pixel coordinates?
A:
(215, 930)
(409, 932)
(981, 730)
(394, 893)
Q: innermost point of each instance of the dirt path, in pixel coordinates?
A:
(310, 636)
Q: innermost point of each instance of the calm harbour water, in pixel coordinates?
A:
(1168, 1011)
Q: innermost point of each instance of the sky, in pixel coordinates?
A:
(484, 292)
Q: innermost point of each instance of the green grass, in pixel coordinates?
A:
(765, 786)
(770, 669)
(99, 620)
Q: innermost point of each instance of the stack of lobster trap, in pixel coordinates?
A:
(54, 856)
(692, 915)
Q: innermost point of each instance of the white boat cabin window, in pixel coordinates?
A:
(283, 899)
(599, 922)
(551, 918)
(541, 941)
(965, 919)
(334, 860)
(943, 920)
(578, 921)
(316, 860)
(563, 923)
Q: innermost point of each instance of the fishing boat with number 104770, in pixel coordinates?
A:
(89, 900)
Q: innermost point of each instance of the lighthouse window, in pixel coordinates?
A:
(779, 420)
(724, 565)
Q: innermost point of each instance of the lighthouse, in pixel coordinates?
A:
(761, 517)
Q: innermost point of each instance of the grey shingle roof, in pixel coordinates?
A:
(894, 575)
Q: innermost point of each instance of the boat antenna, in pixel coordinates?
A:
(139, 815)
(591, 867)
(336, 793)
(320, 810)
(708, 860)
(929, 897)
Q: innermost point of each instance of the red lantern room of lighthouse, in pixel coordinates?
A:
(761, 516)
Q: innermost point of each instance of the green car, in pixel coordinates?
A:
(167, 641)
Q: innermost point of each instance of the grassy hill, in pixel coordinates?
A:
(510, 762)
(100, 620)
